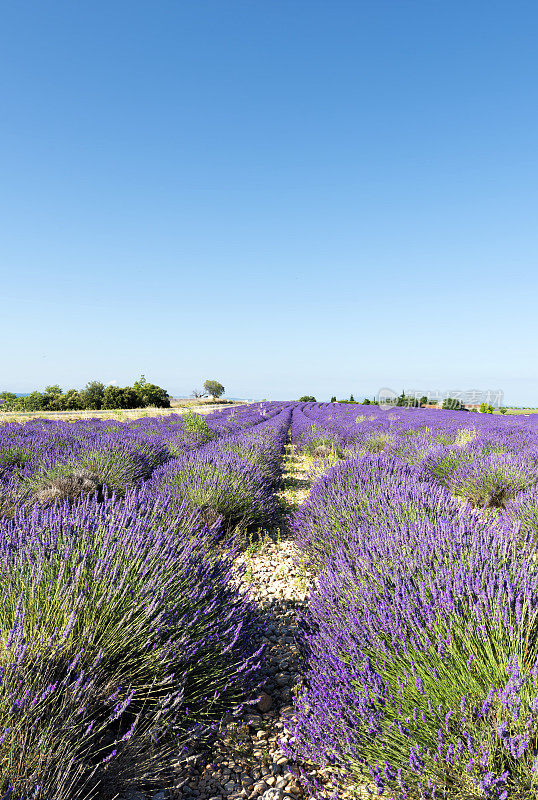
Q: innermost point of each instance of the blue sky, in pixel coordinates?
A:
(290, 196)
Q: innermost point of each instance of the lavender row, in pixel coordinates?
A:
(420, 640)
(42, 460)
(124, 633)
(355, 426)
(232, 479)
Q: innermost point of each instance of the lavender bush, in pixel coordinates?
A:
(370, 491)
(220, 483)
(482, 476)
(522, 513)
(422, 663)
(117, 634)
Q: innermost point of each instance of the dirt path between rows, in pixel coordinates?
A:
(246, 761)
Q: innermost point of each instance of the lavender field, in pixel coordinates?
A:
(124, 634)
(130, 635)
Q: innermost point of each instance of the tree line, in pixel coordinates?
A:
(309, 398)
(448, 404)
(95, 396)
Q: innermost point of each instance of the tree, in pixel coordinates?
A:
(117, 397)
(150, 394)
(156, 396)
(214, 388)
(72, 400)
(8, 398)
(54, 402)
(366, 402)
(52, 398)
(112, 397)
(333, 399)
(35, 401)
(92, 395)
(423, 400)
(485, 408)
(351, 398)
(452, 404)
(307, 398)
(407, 400)
(197, 393)
(503, 410)
(54, 389)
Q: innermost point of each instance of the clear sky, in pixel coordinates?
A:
(289, 196)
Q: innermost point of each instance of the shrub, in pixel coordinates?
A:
(464, 436)
(9, 499)
(196, 426)
(73, 401)
(443, 462)
(7, 397)
(521, 513)
(484, 473)
(94, 396)
(307, 398)
(35, 401)
(13, 457)
(265, 459)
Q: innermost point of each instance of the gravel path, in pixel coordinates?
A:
(246, 760)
